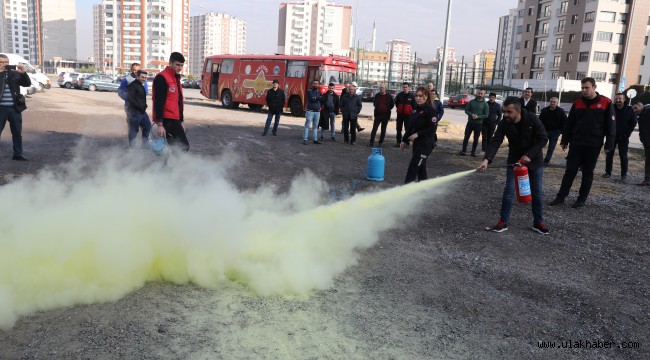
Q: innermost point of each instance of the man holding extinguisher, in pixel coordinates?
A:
(526, 139)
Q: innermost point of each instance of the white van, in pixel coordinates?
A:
(39, 80)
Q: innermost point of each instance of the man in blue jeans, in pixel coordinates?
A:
(312, 113)
(137, 109)
(526, 138)
(553, 118)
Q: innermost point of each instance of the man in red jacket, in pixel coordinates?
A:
(404, 102)
(168, 102)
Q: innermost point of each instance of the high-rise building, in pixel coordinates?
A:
(401, 68)
(506, 45)
(372, 66)
(212, 34)
(14, 22)
(146, 32)
(451, 54)
(39, 30)
(575, 39)
(53, 30)
(483, 67)
(314, 27)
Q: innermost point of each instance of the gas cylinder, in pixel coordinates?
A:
(376, 164)
(522, 183)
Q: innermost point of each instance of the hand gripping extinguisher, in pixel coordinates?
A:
(522, 183)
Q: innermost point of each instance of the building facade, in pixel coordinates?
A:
(314, 27)
(401, 60)
(14, 22)
(579, 38)
(372, 66)
(213, 34)
(53, 28)
(505, 53)
(483, 67)
(141, 31)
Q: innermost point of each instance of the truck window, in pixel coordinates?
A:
(296, 69)
(208, 66)
(227, 66)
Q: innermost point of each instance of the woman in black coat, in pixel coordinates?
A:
(422, 132)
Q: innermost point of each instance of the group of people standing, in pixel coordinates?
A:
(592, 123)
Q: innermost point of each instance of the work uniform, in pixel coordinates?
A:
(404, 102)
(167, 99)
(424, 122)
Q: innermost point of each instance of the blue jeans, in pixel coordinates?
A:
(508, 199)
(268, 123)
(15, 118)
(311, 117)
(137, 121)
(553, 136)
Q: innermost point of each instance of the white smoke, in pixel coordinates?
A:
(93, 231)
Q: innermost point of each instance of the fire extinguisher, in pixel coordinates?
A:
(522, 183)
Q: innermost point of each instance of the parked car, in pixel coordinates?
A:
(196, 84)
(65, 80)
(393, 93)
(76, 80)
(368, 94)
(186, 83)
(99, 82)
(459, 100)
(40, 80)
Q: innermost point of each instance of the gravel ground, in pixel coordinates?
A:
(438, 287)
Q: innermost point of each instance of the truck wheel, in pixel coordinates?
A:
(295, 106)
(226, 99)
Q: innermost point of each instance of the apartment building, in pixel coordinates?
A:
(372, 66)
(143, 31)
(314, 27)
(401, 59)
(483, 67)
(53, 30)
(215, 33)
(14, 22)
(505, 53)
(579, 38)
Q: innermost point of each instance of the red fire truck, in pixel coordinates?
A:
(244, 79)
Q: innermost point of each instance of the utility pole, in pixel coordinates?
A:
(444, 52)
(390, 64)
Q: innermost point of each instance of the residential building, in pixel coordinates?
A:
(483, 67)
(401, 60)
(579, 38)
(146, 32)
(314, 27)
(372, 66)
(451, 54)
(212, 34)
(53, 30)
(14, 22)
(505, 53)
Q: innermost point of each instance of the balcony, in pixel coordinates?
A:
(560, 12)
(558, 30)
(557, 47)
(539, 49)
(555, 65)
(545, 15)
(538, 66)
(542, 33)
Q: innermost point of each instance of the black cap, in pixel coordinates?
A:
(276, 81)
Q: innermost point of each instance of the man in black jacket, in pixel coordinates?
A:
(590, 120)
(526, 138)
(527, 101)
(383, 103)
(553, 117)
(137, 108)
(12, 103)
(275, 100)
(490, 123)
(643, 112)
(328, 113)
(345, 91)
(350, 108)
(625, 124)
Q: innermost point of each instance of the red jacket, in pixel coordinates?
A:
(171, 100)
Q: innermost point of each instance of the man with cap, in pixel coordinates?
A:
(275, 100)
(350, 108)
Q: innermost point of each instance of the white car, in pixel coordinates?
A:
(39, 80)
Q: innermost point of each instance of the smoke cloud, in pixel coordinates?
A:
(93, 231)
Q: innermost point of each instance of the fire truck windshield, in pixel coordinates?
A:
(337, 77)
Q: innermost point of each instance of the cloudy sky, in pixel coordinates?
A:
(474, 23)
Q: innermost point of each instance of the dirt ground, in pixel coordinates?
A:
(439, 288)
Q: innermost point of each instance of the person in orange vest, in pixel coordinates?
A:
(168, 103)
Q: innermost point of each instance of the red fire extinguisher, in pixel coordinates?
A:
(522, 183)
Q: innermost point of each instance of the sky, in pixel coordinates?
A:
(474, 23)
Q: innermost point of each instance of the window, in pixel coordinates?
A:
(645, 42)
(556, 61)
(622, 18)
(599, 75)
(616, 58)
(567, 74)
(530, 10)
(569, 57)
(574, 19)
(642, 59)
(584, 56)
(227, 66)
(589, 17)
(541, 60)
(555, 75)
(296, 69)
(560, 25)
(572, 38)
(613, 78)
(586, 37)
(547, 10)
(607, 16)
(528, 28)
(565, 4)
(620, 39)
(581, 75)
(539, 76)
(600, 56)
(526, 44)
(604, 36)
(545, 28)
(558, 43)
(524, 60)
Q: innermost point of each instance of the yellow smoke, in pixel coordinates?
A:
(93, 232)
